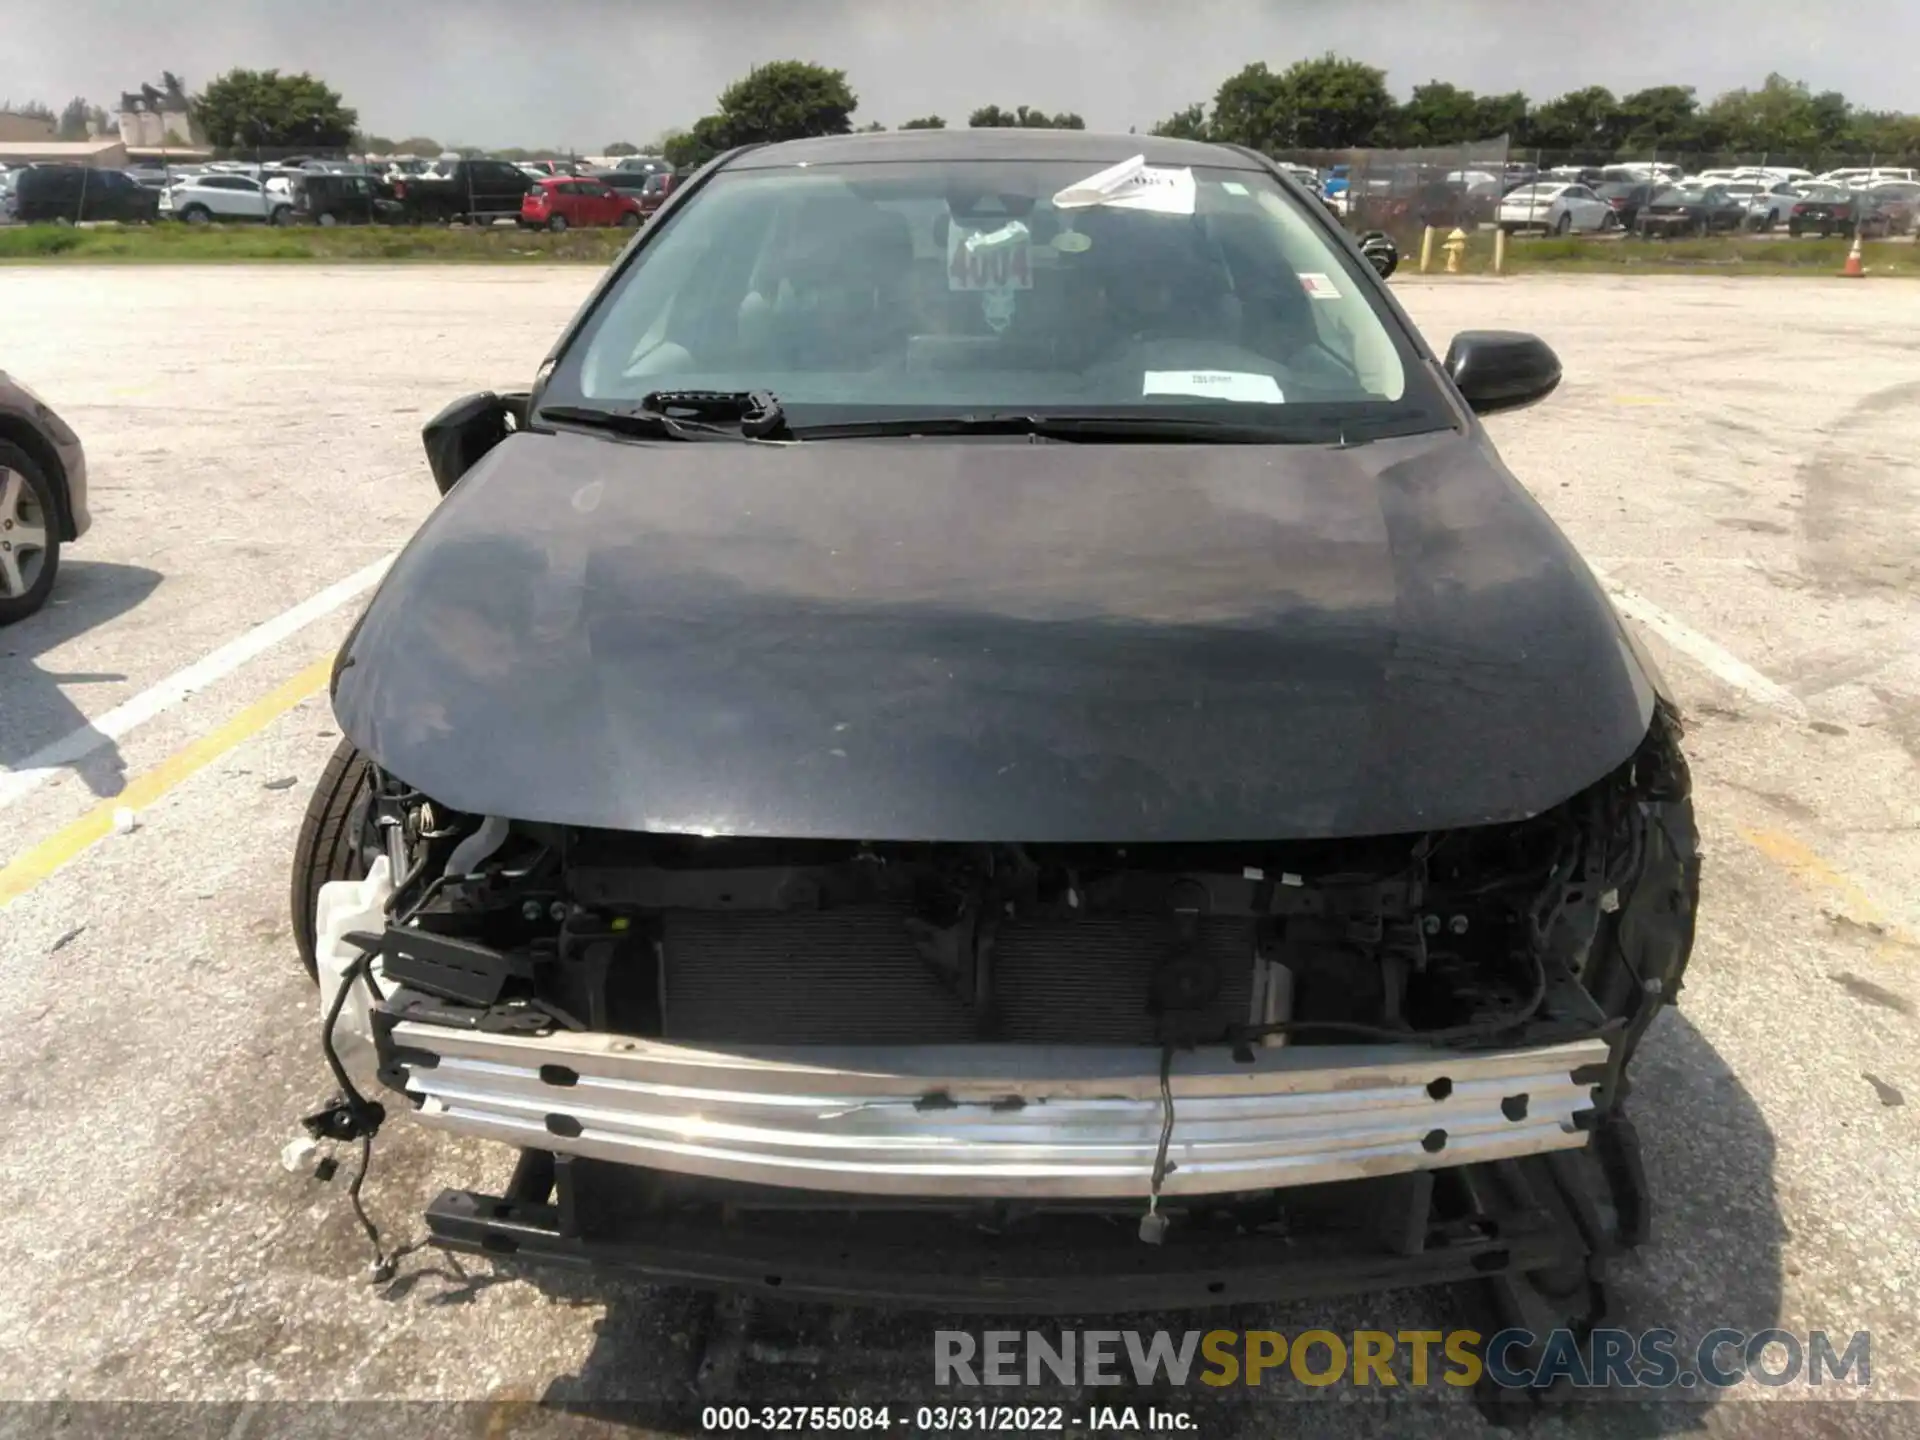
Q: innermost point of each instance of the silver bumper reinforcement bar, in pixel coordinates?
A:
(999, 1120)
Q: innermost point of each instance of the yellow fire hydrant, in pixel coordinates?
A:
(1455, 246)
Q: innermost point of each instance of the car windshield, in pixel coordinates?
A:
(1678, 196)
(877, 290)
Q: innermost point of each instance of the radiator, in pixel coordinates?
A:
(851, 976)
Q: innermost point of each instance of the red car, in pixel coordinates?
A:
(567, 200)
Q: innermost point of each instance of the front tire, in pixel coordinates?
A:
(1564, 224)
(327, 847)
(282, 215)
(557, 224)
(196, 215)
(629, 221)
(29, 535)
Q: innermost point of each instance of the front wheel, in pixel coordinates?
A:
(282, 215)
(328, 846)
(328, 219)
(1564, 224)
(629, 221)
(29, 535)
(196, 215)
(557, 224)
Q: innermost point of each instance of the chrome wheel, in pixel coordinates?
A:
(23, 535)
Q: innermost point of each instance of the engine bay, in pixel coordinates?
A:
(1459, 937)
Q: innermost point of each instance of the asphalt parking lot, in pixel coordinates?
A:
(1736, 457)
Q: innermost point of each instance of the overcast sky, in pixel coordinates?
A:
(583, 73)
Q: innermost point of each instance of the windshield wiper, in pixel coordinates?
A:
(684, 415)
(1300, 430)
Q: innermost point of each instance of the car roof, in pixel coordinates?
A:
(990, 143)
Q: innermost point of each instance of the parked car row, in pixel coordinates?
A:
(479, 191)
(1691, 206)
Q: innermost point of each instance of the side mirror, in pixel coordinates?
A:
(466, 430)
(1499, 370)
(1381, 252)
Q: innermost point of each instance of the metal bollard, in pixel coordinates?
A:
(1499, 251)
(1426, 249)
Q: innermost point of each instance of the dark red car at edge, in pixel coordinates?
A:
(654, 193)
(566, 200)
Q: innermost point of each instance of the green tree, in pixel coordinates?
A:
(1438, 113)
(1023, 117)
(1323, 104)
(263, 109)
(925, 122)
(31, 109)
(784, 100)
(374, 144)
(787, 100)
(73, 120)
(421, 145)
(1665, 117)
(690, 149)
(1187, 124)
(1782, 115)
(1587, 122)
(1496, 115)
(1886, 135)
(621, 147)
(1246, 108)
(871, 128)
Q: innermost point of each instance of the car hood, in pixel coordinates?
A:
(992, 640)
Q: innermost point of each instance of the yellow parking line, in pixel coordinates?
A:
(1814, 872)
(20, 875)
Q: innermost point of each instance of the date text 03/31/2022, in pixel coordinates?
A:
(992, 1419)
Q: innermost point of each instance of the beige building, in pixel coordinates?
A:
(24, 128)
(104, 154)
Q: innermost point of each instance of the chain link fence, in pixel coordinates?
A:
(1401, 192)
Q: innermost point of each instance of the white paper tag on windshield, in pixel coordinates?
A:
(1320, 287)
(1132, 185)
(1241, 385)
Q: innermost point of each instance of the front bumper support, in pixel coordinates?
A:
(994, 1121)
(1479, 1222)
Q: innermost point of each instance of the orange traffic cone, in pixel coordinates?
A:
(1853, 269)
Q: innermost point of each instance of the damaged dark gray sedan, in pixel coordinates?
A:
(993, 733)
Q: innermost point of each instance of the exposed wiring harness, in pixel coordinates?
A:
(353, 1116)
(1153, 1225)
(1473, 1031)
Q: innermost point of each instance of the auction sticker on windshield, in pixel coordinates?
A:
(1320, 287)
(1239, 385)
(999, 259)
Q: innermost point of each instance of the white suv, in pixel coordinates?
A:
(225, 197)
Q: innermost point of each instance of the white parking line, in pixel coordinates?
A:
(51, 759)
(1717, 660)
